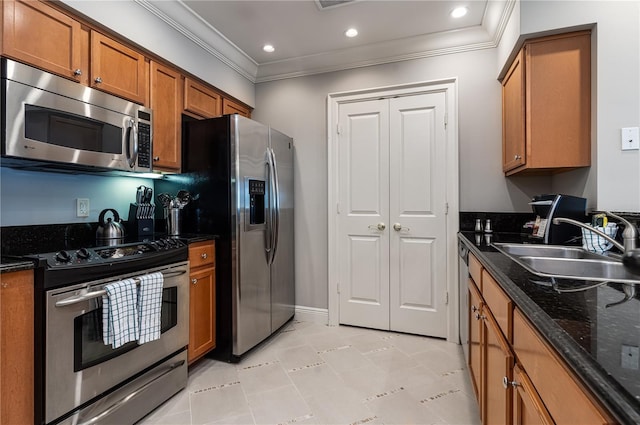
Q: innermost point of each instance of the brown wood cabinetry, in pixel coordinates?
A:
(202, 300)
(16, 347)
(37, 34)
(546, 105)
(231, 107)
(117, 69)
(518, 378)
(200, 100)
(166, 102)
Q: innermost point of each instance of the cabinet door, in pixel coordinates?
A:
(166, 102)
(202, 313)
(558, 101)
(475, 333)
(37, 34)
(201, 100)
(513, 115)
(117, 69)
(528, 409)
(497, 365)
(16, 348)
(231, 107)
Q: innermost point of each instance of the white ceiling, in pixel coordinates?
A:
(311, 40)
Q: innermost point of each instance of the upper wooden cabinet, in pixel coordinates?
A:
(166, 102)
(546, 105)
(201, 100)
(231, 107)
(37, 34)
(117, 69)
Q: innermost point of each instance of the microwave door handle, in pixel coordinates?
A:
(132, 131)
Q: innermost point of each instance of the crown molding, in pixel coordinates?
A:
(183, 19)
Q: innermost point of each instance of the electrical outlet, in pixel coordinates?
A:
(82, 207)
(630, 357)
(630, 138)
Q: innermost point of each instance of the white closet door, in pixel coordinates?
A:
(417, 222)
(363, 214)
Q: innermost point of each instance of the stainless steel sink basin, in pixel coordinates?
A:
(553, 251)
(583, 269)
(567, 262)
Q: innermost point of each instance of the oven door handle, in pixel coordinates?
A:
(95, 294)
(124, 400)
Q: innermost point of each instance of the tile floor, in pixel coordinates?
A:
(315, 374)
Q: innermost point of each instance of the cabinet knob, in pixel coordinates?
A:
(474, 308)
(517, 157)
(203, 255)
(77, 72)
(380, 226)
(506, 383)
(194, 281)
(98, 80)
(156, 158)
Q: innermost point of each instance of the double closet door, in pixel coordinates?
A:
(391, 214)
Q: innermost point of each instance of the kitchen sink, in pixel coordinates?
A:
(554, 251)
(568, 263)
(582, 269)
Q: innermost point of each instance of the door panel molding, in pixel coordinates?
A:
(411, 208)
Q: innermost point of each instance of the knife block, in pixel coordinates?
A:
(139, 226)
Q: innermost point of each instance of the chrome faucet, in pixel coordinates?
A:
(629, 235)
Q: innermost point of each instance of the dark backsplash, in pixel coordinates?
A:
(500, 221)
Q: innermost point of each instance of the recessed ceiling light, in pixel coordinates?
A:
(351, 32)
(268, 48)
(459, 12)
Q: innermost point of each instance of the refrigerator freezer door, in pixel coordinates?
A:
(282, 268)
(251, 291)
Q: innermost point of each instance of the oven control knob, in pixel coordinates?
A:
(83, 253)
(63, 256)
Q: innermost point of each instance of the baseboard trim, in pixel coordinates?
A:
(312, 314)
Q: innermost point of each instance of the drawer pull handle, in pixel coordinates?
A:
(194, 281)
(203, 255)
(506, 383)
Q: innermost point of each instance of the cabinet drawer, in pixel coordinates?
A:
(475, 270)
(202, 254)
(499, 303)
(565, 399)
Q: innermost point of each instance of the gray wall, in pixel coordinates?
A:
(298, 107)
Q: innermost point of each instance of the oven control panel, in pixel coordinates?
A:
(104, 255)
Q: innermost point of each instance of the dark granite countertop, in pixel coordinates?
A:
(8, 265)
(600, 343)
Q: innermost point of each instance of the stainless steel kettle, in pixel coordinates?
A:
(112, 231)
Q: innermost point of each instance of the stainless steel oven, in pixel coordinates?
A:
(82, 380)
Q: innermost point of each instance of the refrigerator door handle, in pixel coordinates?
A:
(276, 209)
(270, 214)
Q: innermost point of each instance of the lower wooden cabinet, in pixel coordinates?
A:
(202, 300)
(16, 347)
(517, 377)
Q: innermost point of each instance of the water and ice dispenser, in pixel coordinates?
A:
(256, 204)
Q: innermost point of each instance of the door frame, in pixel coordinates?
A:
(450, 87)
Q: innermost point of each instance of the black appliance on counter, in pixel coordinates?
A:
(548, 207)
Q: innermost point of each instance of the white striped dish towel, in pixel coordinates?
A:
(119, 318)
(150, 306)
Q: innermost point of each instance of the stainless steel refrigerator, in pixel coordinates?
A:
(241, 174)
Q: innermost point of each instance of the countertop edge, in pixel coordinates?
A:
(593, 376)
(15, 266)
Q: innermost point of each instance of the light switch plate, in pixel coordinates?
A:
(82, 207)
(630, 138)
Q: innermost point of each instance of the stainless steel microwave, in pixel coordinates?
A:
(47, 119)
